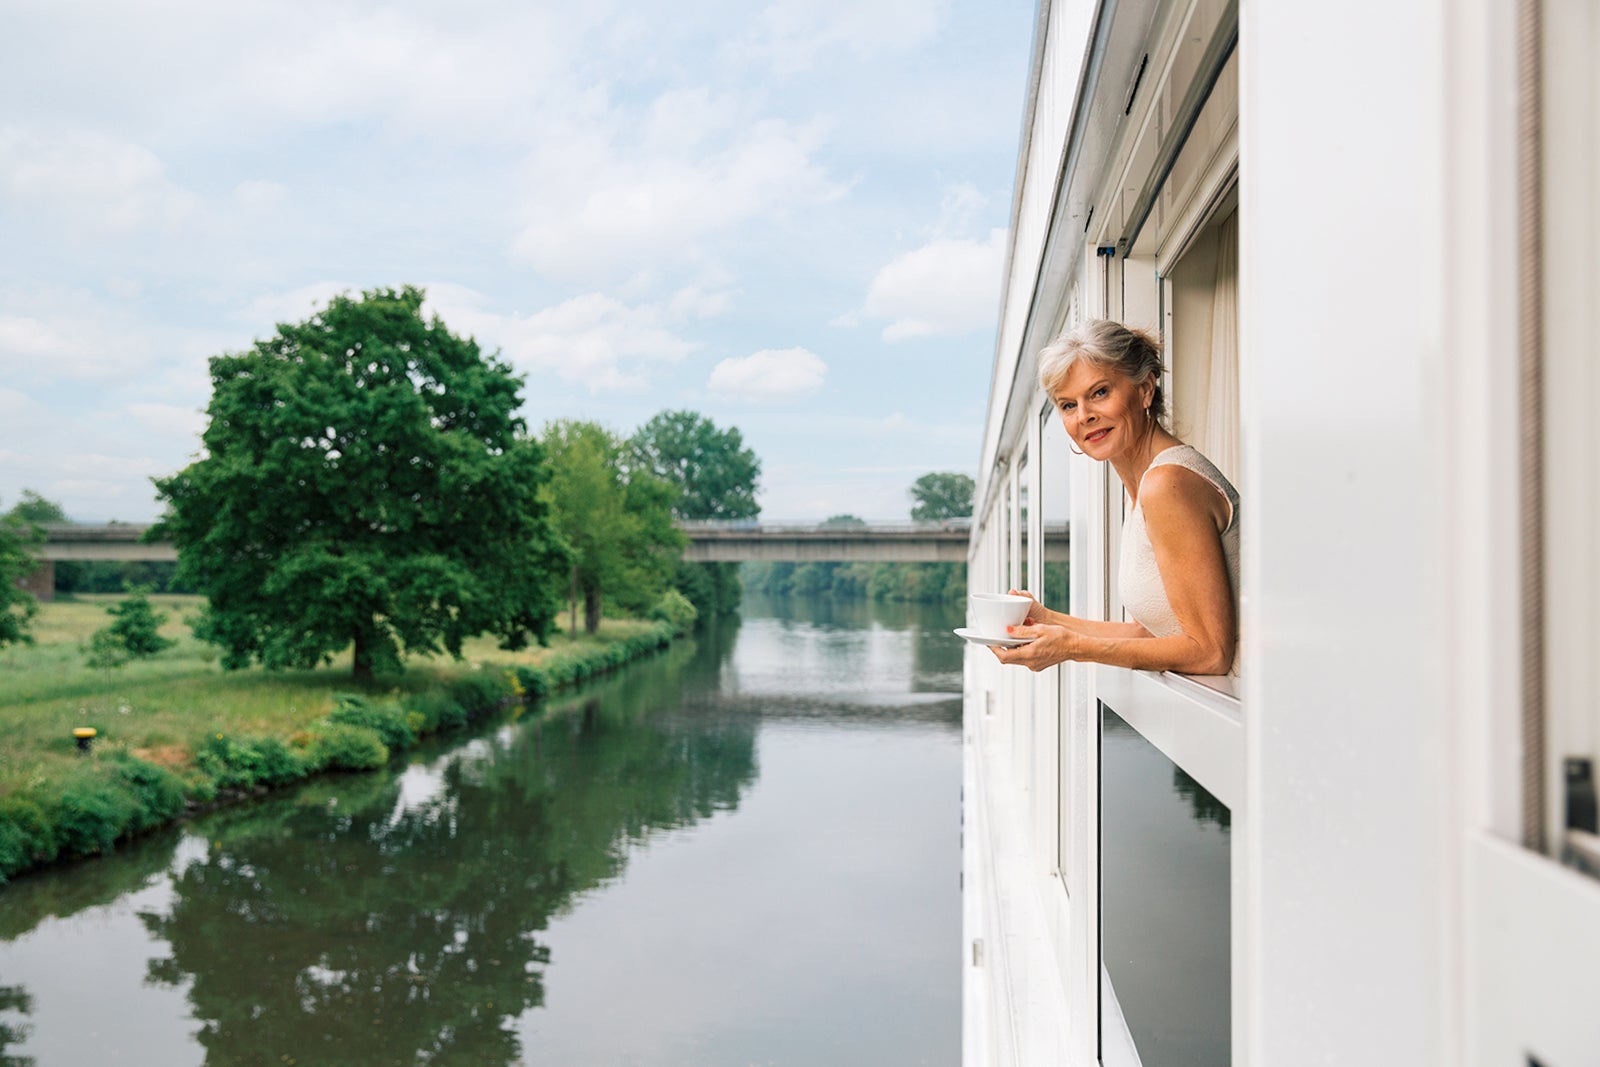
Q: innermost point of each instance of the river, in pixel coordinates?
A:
(745, 850)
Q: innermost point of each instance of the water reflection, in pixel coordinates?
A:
(843, 656)
(409, 932)
(14, 1001)
(431, 913)
(1204, 806)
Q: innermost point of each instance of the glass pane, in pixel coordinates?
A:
(1022, 522)
(1055, 504)
(1164, 902)
(1008, 557)
(1050, 586)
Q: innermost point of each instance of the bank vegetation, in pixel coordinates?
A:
(175, 733)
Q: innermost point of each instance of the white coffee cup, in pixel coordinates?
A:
(991, 613)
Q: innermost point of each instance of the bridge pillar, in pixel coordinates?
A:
(42, 582)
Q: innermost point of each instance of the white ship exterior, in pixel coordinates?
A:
(1370, 232)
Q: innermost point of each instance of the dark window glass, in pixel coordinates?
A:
(1164, 911)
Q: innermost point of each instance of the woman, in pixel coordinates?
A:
(1180, 542)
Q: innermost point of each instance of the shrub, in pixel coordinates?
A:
(90, 814)
(481, 692)
(344, 747)
(676, 610)
(26, 836)
(388, 721)
(246, 762)
(117, 797)
(438, 710)
(158, 792)
(105, 651)
(138, 625)
(134, 633)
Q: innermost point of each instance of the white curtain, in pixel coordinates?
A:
(1204, 344)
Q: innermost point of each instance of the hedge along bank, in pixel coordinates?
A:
(116, 796)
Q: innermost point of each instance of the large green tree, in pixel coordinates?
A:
(941, 495)
(716, 477)
(715, 473)
(17, 605)
(616, 521)
(365, 484)
(33, 507)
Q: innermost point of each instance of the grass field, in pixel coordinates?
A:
(159, 709)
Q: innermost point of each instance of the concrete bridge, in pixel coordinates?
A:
(708, 542)
(813, 542)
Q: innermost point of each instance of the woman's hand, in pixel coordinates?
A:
(1038, 614)
(1050, 645)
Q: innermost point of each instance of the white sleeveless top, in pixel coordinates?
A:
(1142, 592)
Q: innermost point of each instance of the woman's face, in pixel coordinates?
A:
(1102, 409)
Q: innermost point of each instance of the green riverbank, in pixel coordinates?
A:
(176, 733)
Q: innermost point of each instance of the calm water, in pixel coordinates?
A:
(745, 851)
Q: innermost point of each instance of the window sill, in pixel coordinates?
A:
(1197, 725)
(1207, 686)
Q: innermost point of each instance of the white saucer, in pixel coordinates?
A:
(983, 639)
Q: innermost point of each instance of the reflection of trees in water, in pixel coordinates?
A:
(1206, 807)
(70, 888)
(712, 648)
(936, 653)
(345, 926)
(14, 998)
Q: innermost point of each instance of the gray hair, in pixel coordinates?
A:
(1108, 345)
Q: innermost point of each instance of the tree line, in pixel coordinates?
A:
(365, 483)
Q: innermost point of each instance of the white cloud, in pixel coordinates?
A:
(612, 192)
(258, 195)
(173, 170)
(90, 179)
(95, 464)
(27, 340)
(793, 35)
(21, 412)
(804, 490)
(225, 67)
(701, 301)
(948, 286)
(50, 335)
(170, 419)
(769, 375)
(960, 208)
(296, 305)
(593, 339)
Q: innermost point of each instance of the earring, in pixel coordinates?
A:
(1075, 452)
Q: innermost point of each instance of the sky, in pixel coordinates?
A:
(789, 216)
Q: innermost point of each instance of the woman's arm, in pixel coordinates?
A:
(1181, 518)
(1039, 615)
(1057, 644)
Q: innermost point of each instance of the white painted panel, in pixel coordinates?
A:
(1535, 958)
(1342, 620)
